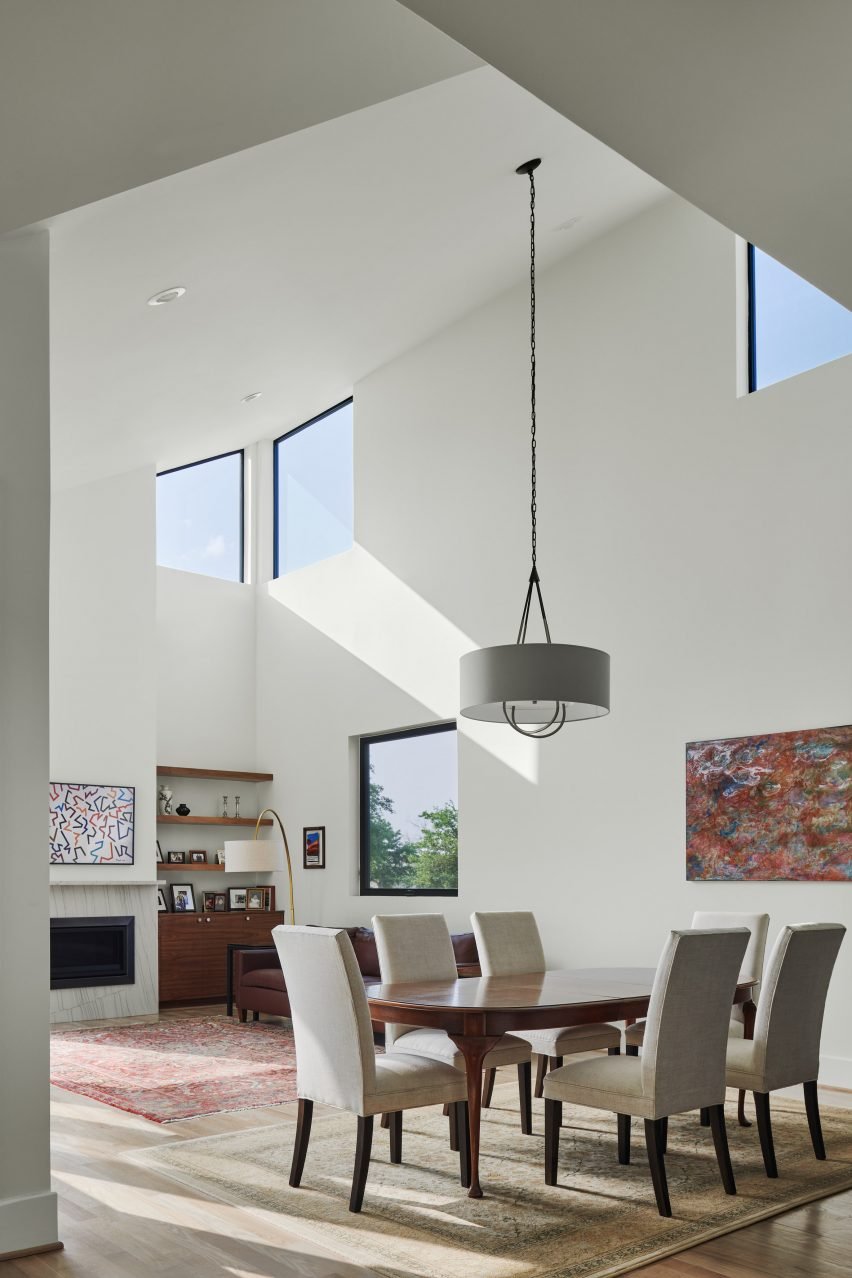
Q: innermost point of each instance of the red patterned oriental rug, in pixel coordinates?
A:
(178, 1068)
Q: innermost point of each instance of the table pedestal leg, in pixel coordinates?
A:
(749, 1016)
(474, 1051)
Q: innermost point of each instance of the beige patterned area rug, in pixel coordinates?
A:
(599, 1221)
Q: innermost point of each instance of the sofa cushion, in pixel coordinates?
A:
(464, 945)
(268, 978)
(364, 945)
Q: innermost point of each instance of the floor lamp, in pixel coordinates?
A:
(255, 856)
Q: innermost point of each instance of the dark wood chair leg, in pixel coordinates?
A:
(623, 1139)
(463, 1128)
(555, 1063)
(631, 1049)
(454, 1127)
(300, 1147)
(704, 1117)
(362, 1162)
(540, 1071)
(764, 1131)
(525, 1096)
(386, 1120)
(255, 1016)
(242, 1012)
(723, 1154)
(741, 1118)
(613, 1051)
(664, 1134)
(396, 1136)
(656, 1162)
(814, 1124)
(552, 1124)
(488, 1087)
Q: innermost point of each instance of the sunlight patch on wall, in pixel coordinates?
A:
(364, 608)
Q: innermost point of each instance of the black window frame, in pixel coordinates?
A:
(364, 809)
(275, 482)
(752, 324)
(232, 452)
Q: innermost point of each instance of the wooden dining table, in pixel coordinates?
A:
(477, 1011)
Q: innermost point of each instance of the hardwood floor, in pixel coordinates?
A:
(119, 1220)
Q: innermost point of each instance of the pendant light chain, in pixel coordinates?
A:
(532, 364)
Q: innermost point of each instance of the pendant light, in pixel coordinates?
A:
(534, 687)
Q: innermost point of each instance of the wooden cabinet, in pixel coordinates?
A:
(193, 950)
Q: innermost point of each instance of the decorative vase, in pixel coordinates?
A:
(182, 809)
(165, 797)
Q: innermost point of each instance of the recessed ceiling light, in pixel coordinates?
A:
(249, 399)
(167, 295)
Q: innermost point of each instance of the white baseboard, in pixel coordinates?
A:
(28, 1224)
(835, 1071)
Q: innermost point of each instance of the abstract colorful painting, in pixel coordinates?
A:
(770, 807)
(91, 824)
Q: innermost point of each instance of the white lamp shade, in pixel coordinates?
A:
(252, 856)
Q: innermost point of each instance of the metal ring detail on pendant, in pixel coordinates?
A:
(546, 729)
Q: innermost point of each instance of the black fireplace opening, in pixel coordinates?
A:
(92, 951)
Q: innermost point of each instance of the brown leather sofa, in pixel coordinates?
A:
(259, 982)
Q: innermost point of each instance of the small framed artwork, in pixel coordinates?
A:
(183, 898)
(219, 901)
(162, 903)
(208, 902)
(236, 898)
(254, 899)
(314, 847)
(269, 898)
(177, 858)
(159, 851)
(197, 858)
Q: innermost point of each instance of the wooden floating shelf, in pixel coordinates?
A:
(212, 774)
(190, 865)
(199, 820)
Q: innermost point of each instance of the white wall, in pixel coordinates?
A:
(205, 672)
(103, 704)
(27, 1203)
(699, 537)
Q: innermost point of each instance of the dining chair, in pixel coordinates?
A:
(508, 943)
(417, 947)
(336, 1063)
(752, 965)
(682, 1066)
(785, 1049)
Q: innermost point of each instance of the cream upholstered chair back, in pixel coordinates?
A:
(752, 965)
(335, 1058)
(413, 947)
(686, 1031)
(788, 1026)
(508, 942)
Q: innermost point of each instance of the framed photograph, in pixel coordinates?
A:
(237, 898)
(219, 901)
(197, 858)
(254, 899)
(159, 851)
(208, 902)
(162, 903)
(269, 898)
(91, 824)
(314, 847)
(177, 858)
(183, 898)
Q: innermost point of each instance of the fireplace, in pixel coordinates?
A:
(91, 951)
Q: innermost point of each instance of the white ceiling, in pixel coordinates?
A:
(100, 96)
(308, 261)
(742, 108)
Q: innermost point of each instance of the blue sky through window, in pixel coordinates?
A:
(796, 327)
(199, 518)
(314, 491)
